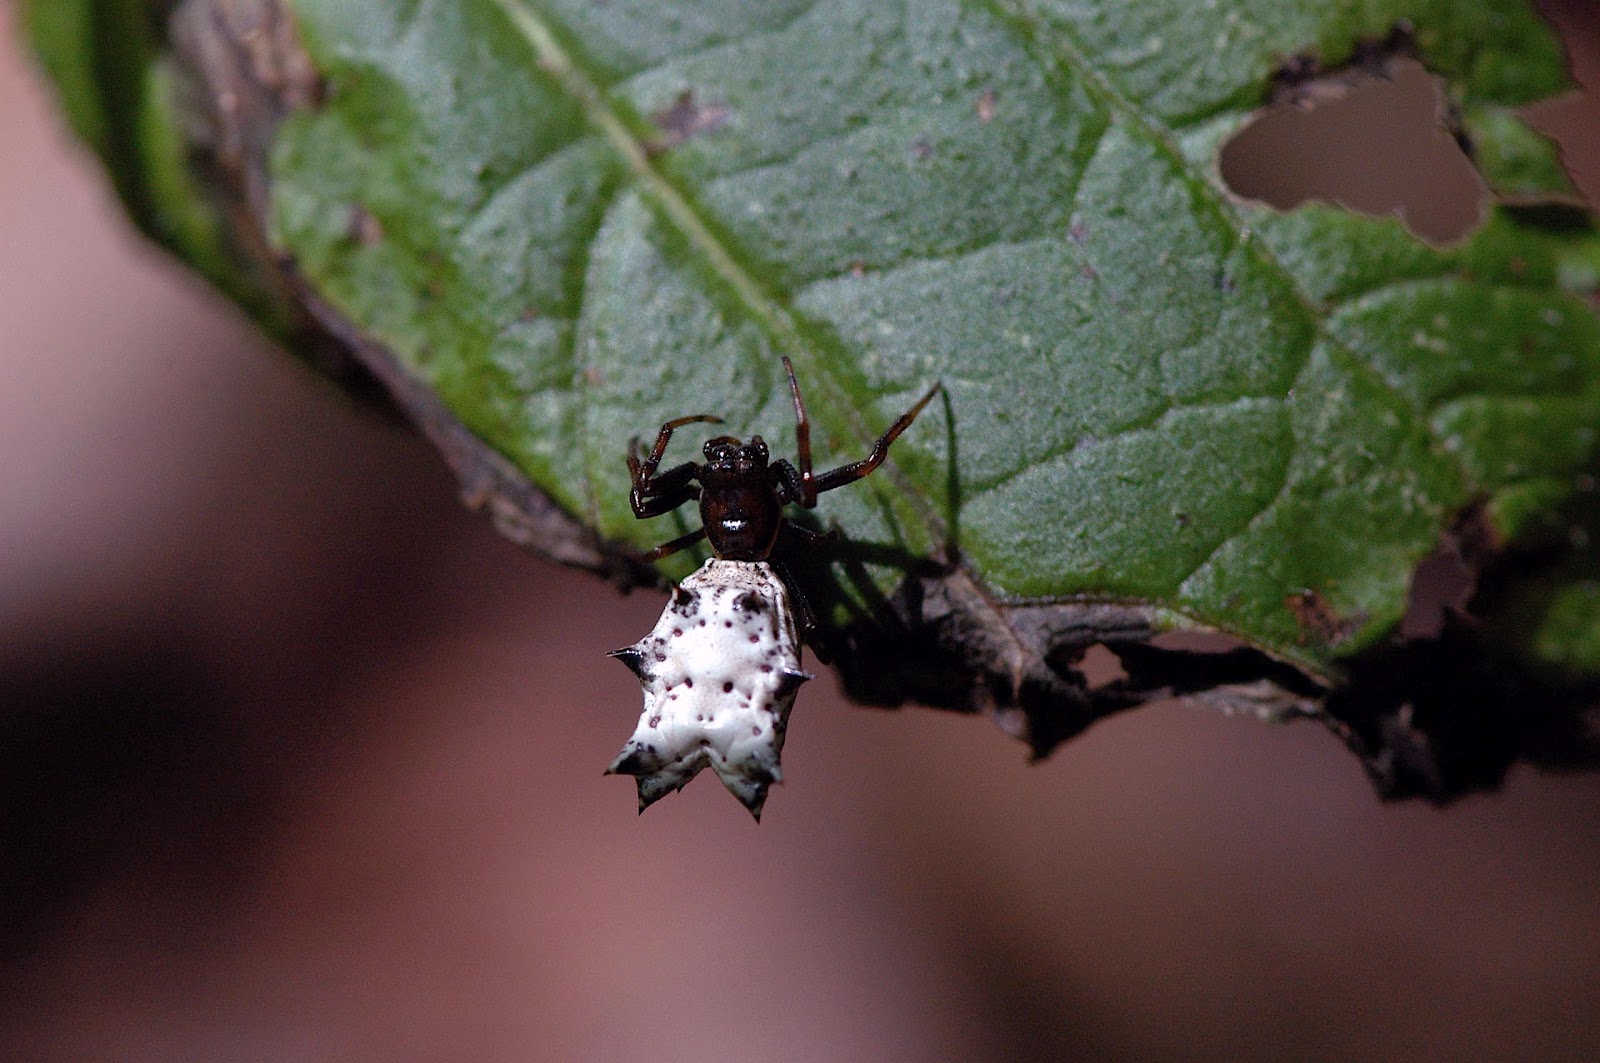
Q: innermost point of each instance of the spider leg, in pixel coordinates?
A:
(651, 493)
(785, 479)
(644, 470)
(665, 492)
(805, 616)
(803, 491)
(848, 474)
(675, 545)
(807, 539)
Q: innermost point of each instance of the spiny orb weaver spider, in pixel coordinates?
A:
(721, 667)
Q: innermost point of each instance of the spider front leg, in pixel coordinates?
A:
(802, 484)
(654, 494)
(799, 482)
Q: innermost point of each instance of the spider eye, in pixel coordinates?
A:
(721, 449)
(758, 447)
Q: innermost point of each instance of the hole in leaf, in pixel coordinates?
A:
(1101, 667)
(1379, 142)
(1444, 582)
(1570, 119)
(1198, 642)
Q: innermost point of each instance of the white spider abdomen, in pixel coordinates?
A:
(719, 672)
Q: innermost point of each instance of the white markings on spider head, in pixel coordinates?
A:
(719, 672)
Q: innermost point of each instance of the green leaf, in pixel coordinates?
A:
(1568, 638)
(1517, 162)
(572, 221)
(122, 94)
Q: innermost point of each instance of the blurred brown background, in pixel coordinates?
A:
(298, 760)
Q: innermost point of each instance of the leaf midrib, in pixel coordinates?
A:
(555, 60)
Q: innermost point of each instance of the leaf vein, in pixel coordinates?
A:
(772, 317)
(1101, 85)
(1144, 424)
(580, 333)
